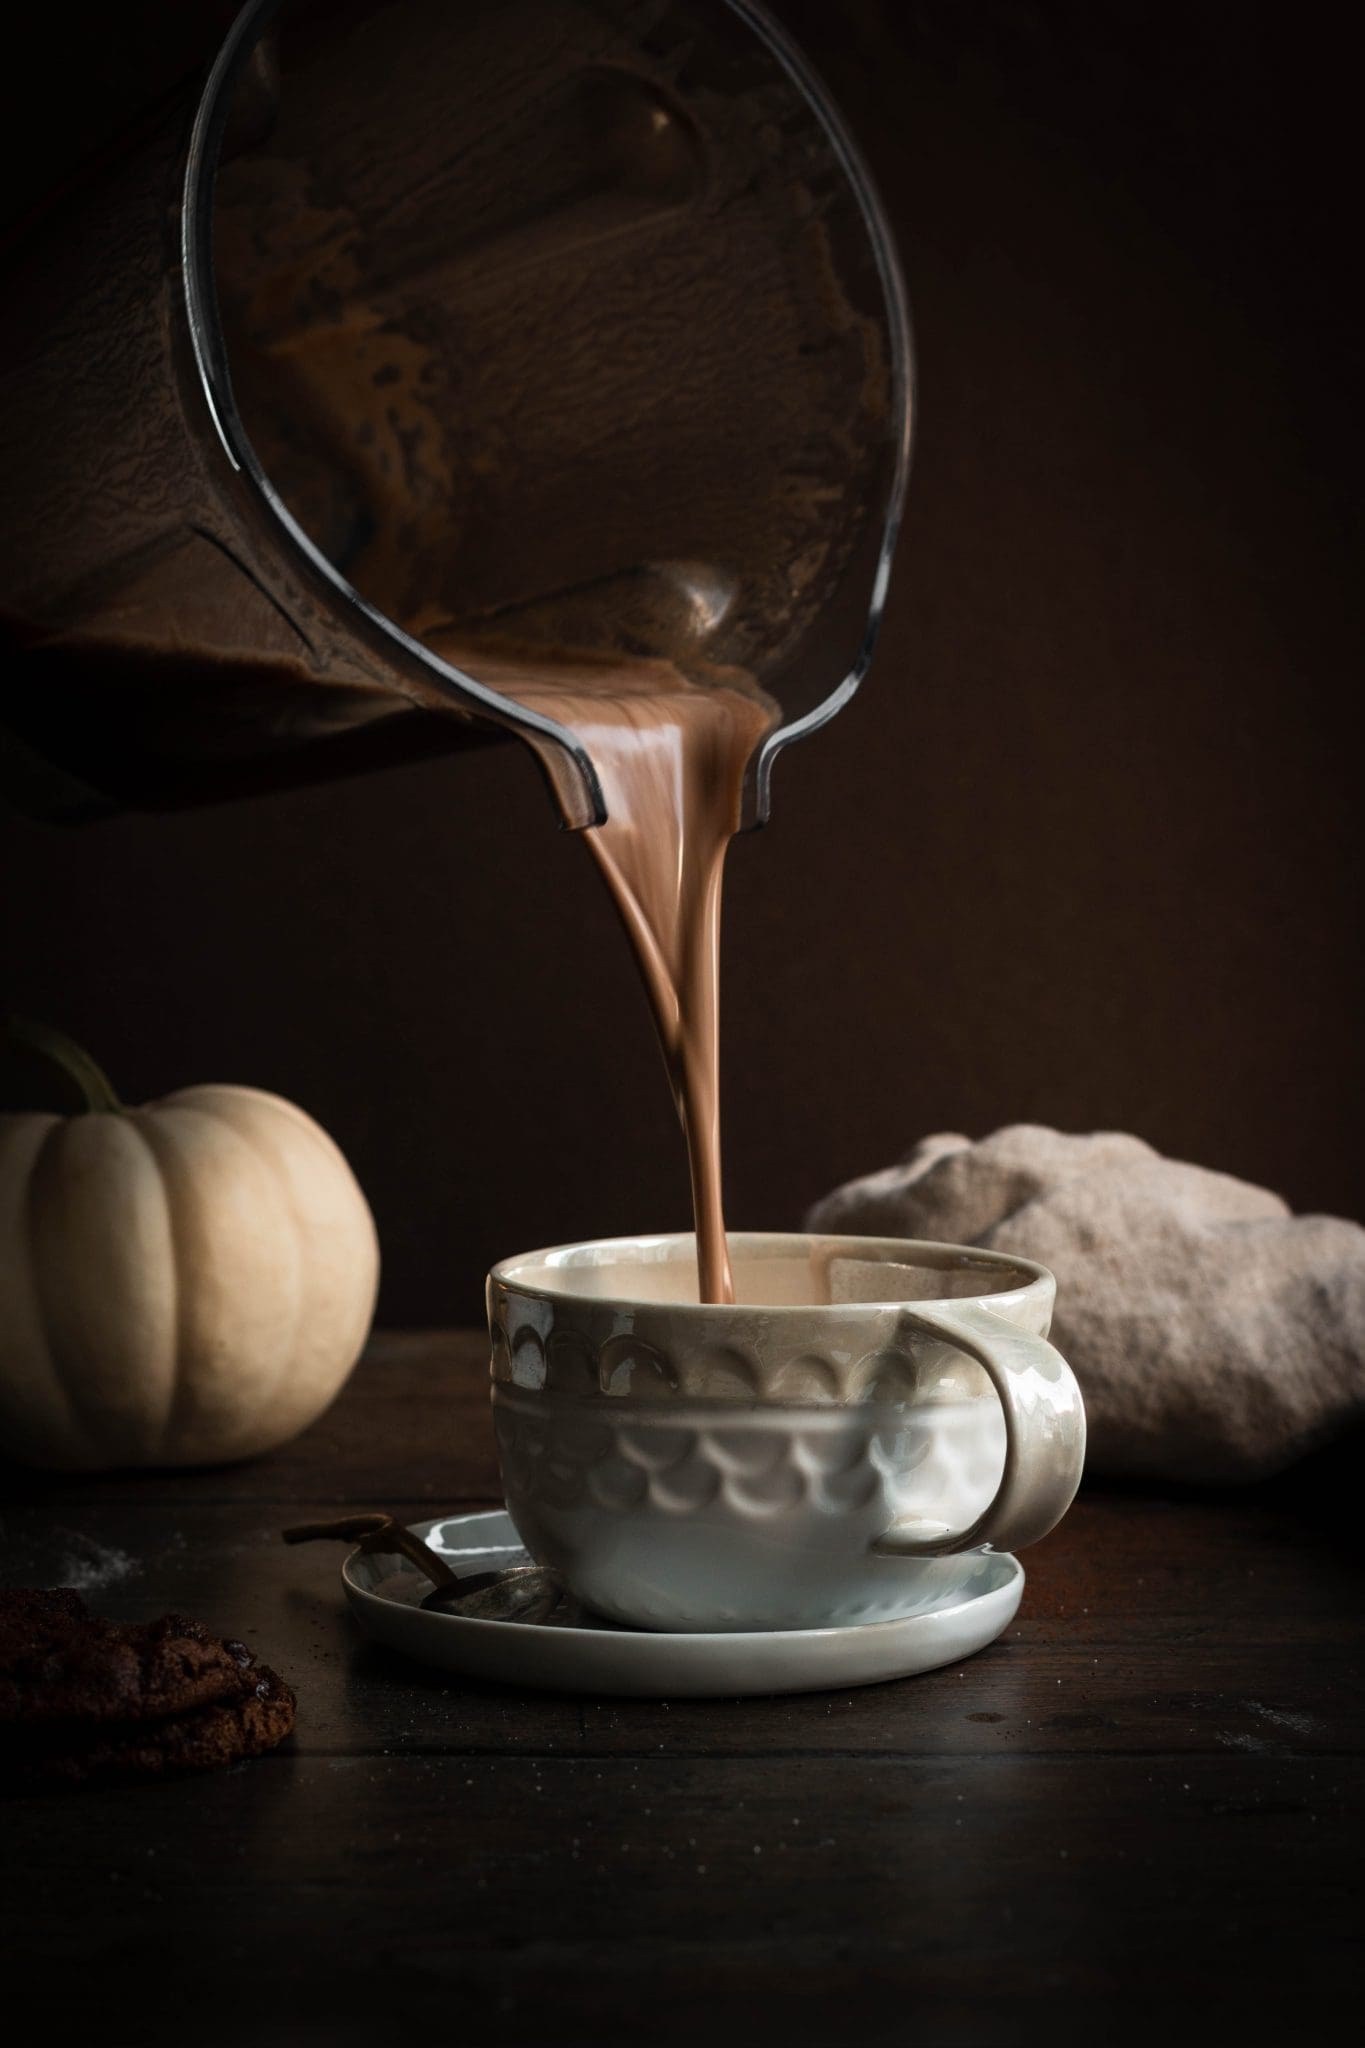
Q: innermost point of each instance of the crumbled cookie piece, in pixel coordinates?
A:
(61, 1663)
(82, 1698)
(224, 1733)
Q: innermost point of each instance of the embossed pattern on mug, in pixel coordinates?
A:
(569, 1456)
(625, 1366)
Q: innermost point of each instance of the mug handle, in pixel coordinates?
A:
(1044, 1435)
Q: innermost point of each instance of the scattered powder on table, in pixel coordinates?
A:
(89, 1565)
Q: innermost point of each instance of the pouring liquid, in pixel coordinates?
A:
(671, 756)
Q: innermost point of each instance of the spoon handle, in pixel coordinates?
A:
(377, 1533)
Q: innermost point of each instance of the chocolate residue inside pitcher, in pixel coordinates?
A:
(552, 346)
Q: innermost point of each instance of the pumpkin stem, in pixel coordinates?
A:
(72, 1061)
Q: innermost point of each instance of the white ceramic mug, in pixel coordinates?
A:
(807, 1457)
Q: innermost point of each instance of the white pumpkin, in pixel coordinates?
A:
(181, 1284)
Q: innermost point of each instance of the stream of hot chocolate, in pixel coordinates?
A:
(671, 756)
(671, 759)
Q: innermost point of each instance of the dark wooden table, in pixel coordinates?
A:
(1138, 1814)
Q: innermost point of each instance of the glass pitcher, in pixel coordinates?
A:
(428, 335)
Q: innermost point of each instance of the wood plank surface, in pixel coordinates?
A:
(1139, 1810)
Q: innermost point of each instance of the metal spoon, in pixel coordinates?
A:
(524, 1592)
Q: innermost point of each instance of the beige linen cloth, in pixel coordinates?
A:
(1215, 1335)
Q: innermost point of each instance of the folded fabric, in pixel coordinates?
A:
(1216, 1335)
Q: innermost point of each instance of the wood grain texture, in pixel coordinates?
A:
(1138, 1810)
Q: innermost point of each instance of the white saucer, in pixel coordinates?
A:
(970, 1608)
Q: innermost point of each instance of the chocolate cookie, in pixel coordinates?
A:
(224, 1733)
(60, 1663)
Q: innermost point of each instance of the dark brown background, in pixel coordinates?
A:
(1085, 850)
